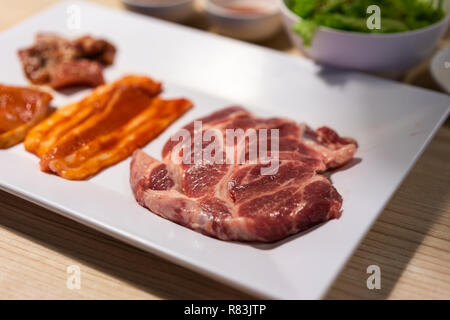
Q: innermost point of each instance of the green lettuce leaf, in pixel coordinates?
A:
(351, 15)
(306, 29)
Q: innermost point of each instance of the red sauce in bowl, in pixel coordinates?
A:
(243, 9)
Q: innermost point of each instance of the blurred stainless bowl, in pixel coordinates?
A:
(440, 68)
(386, 53)
(172, 10)
(257, 25)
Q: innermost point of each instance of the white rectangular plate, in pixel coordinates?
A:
(392, 123)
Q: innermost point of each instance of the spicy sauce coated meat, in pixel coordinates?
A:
(20, 109)
(82, 138)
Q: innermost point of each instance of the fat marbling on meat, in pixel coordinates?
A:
(235, 201)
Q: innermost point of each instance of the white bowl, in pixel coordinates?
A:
(390, 53)
(244, 24)
(172, 10)
(440, 68)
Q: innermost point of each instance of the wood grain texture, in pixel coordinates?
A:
(410, 241)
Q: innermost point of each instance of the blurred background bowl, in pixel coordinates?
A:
(172, 10)
(251, 20)
(440, 68)
(385, 53)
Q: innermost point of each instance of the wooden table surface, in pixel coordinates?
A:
(410, 241)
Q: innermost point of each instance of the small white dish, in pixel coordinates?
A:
(440, 68)
(384, 53)
(172, 10)
(251, 20)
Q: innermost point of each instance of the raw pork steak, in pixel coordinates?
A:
(237, 202)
